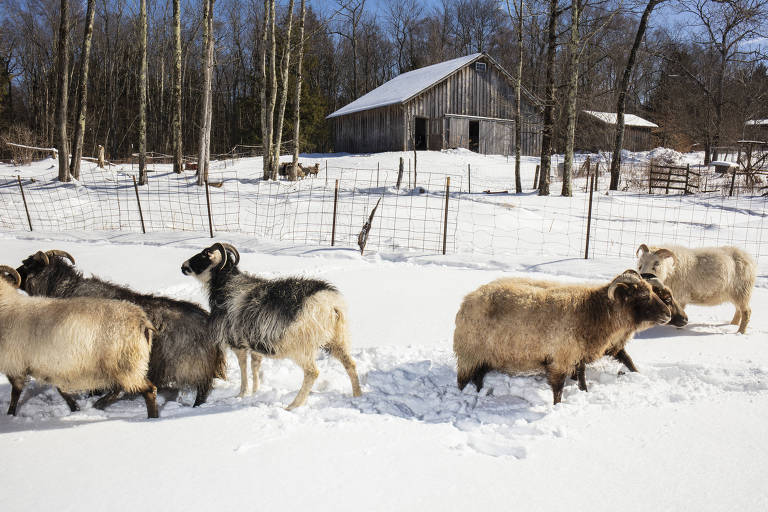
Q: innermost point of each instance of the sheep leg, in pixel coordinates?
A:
(150, 397)
(746, 312)
(203, 390)
(556, 379)
(310, 375)
(581, 371)
(107, 400)
(736, 317)
(17, 384)
(341, 354)
(69, 399)
(622, 357)
(242, 355)
(256, 359)
(478, 376)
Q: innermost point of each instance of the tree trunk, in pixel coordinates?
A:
(82, 93)
(518, 98)
(266, 136)
(297, 98)
(62, 58)
(272, 172)
(143, 93)
(623, 88)
(205, 117)
(549, 106)
(286, 63)
(178, 156)
(573, 84)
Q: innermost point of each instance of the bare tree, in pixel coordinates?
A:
(205, 116)
(402, 19)
(269, 170)
(574, 53)
(178, 159)
(517, 17)
(352, 12)
(297, 97)
(62, 74)
(549, 101)
(82, 93)
(623, 88)
(143, 93)
(285, 65)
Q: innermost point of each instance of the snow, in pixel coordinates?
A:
(757, 122)
(405, 86)
(629, 119)
(687, 432)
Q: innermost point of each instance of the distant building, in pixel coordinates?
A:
(596, 131)
(756, 129)
(467, 102)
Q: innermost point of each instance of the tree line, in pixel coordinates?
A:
(198, 77)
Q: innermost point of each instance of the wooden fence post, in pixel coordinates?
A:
(335, 201)
(589, 216)
(24, 199)
(669, 178)
(378, 166)
(687, 173)
(445, 217)
(208, 202)
(326, 173)
(733, 181)
(469, 174)
(138, 201)
(536, 178)
(650, 179)
(414, 169)
(400, 171)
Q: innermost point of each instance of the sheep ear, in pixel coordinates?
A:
(613, 287)
(666, 253)
(643, 248)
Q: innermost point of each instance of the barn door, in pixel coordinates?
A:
(474, 136)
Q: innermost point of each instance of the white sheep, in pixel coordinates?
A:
(77, 344)
(708, 276)
(521, 328)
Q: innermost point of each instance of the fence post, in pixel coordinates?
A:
(536, 178)
(597, 172)
(669, 178)
(378, 165)
(400, 171)
(414, 169)
(733, 181)
(335, 201)
(687, 172)
(138, 201)
(469, 174)
(326, 173)
(208, 202)
(650, 179)
(409, 172)
(589, 216)
(445, 217)
(24, 198)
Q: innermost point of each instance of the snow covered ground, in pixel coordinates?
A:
(686, 433)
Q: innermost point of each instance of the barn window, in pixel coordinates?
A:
(480, 67)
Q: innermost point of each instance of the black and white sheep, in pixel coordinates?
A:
(184, 353)
(519, 328)
(708, 276)
(280, 318)
(78, 344)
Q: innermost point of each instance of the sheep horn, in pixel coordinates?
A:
(666, 253)
(220, 247)
(628, 276)
(233, 250)
(63, 254)
(644, 248)
(12, 272)
(43, 257)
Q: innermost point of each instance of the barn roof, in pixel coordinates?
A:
(404, 87)
(757, 122)
(629, 119)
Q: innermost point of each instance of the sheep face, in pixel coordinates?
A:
(210, 260)
(660, 262)
(34, 265)
(644, 304)
(679, 318)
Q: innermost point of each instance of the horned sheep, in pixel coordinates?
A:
(519, 328)
(617, 351)
(184, 354)
(75, 344)
(278, 318)
(708, 276)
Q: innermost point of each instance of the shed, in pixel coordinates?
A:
(596, 131)
(467, 102)
(756, 129)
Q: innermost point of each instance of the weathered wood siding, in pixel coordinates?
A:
(467, 92)
(594, 135)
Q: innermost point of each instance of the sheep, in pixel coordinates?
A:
(708, 276)
(184, 354)
(617, 350)
(279, 318)
(74, 344)
(519, 328)
(311, 169)
(285, 167)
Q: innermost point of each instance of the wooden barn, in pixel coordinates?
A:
(756, 129)
(595, 131)
(467, 102)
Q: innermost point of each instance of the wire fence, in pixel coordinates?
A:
(446, 210)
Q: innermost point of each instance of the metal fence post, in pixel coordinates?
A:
(589, 215)
(24, 199)
(335, 201)
(469, 177)
(445, 218)
(208, 202)
(138, 201)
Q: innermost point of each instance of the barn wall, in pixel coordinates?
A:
(370, 131)
(594, 135)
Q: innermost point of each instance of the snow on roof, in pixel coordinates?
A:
(629, 119)
(757, 122)
(405, 86)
